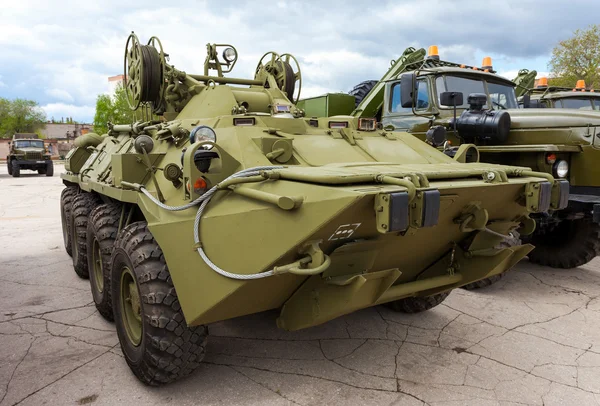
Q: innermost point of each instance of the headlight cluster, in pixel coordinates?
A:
(229, 54)
(203, 133)
(561, 168)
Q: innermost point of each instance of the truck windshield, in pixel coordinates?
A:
(500, 96)
(575, 103)
(29, 143)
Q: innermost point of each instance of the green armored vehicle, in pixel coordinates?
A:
(27, 151)
(235, 203)
(545, 96)
(449, 104)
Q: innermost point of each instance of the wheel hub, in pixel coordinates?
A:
(131, 309)
(98, 271)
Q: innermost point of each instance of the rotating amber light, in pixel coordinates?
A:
(433, 52)
(580, 84)
(543, 82)
(487, 63)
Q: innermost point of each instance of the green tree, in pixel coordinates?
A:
(577, 58)
(20, 116)
(113, 109)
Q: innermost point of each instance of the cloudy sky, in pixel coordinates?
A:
(60, 53)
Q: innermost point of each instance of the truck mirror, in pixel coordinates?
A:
(408, 89)
(452, 99)
(526, 101)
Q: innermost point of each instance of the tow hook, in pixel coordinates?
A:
(473, 218)
(314, 263)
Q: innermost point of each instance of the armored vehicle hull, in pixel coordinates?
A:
(447, 105)
(236, 204)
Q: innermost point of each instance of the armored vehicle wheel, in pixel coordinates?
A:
(483, 283)
(570, 244)
(83, 204)
(9, 167)
(16, 169)
(361, 90)
(66, 205)
(158, 345)
(49, 169)
(417, 304)
(102, 229)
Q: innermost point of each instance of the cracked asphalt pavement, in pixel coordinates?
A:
(533, 338)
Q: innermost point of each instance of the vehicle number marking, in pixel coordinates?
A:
(344, 231)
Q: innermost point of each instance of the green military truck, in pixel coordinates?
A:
(27, 151)
(448, 104)
(545, 96)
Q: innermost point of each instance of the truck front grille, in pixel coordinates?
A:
(33, 155)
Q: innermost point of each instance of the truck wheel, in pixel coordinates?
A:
(16, 169)
(513, 241)
(570, 244)
(83, 204)
(361, 90)
(42, 171)
(66, 205)
(49, 169)
(417, 304)
(158, 345)
(9, 166)
(102, 229)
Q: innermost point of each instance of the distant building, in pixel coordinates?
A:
(114, 82)
(64, 130)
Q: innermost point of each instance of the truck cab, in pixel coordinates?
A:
(544, 96)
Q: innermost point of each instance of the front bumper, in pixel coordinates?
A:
(584, 199)
(32, 162)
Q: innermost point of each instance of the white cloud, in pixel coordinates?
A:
(60, 94)
(58, 110)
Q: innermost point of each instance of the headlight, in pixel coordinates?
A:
(561, 168)
(229, 54)
(203, 133)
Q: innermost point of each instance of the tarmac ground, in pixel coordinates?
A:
(533, 338)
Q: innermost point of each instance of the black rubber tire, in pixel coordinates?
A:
(417, 304)
(361, 90)
(16, 169)
(83, 204)
(9, 166)
(484, 283)
(66, 205)
(41, 171)
(571, 244)
(168, 349)
(49, 169)
(102, 229)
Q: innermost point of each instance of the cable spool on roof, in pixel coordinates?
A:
(143, 73)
